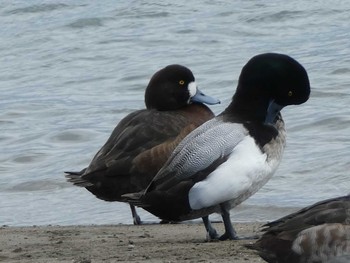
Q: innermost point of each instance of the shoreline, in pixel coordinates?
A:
(183, 242)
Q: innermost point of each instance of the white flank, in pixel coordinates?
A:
(244, 173)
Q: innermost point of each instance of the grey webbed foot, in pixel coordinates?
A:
(227, 236)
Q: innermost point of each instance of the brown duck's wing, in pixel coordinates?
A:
(116, 168)
(146, 136)
(153, 159)
(335, 210)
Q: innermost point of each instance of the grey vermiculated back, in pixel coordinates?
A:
(199, 149)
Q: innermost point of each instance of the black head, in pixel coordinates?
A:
(270, 79)
(168, 88)
(174, 87)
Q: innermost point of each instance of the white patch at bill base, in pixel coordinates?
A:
(192, 88)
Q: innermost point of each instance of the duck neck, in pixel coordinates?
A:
(246, 107)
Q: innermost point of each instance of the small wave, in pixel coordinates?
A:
(37, 186)
(330, 123)
(340, 71)
(279, 16)
(37, 8)
(72, 136)
(86, 22)
(155, 14)
(4, 138)
(23, 159)
(226, 13)
(186, 31)
(328, 94)
(28, 158)
(140, 13)
(6, 122)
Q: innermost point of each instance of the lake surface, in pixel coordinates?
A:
(71, 70)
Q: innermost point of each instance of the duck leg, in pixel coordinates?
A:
(211, 232)
(135, 216)
(230, 232)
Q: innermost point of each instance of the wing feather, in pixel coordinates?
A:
(212, 141)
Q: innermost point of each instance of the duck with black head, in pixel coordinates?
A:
(229, 158)
(143, 140)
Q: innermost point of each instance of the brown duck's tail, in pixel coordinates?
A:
(274, 250)
(76, 178)
(135, 199)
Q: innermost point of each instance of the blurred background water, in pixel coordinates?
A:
(70, 70)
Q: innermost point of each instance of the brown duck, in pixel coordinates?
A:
(142, 141)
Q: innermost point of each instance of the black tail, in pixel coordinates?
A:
(77, 179)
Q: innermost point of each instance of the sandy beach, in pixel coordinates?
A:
(183, 242)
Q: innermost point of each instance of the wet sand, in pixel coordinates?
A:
(183, 242)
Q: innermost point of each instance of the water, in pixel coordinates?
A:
(70, 70)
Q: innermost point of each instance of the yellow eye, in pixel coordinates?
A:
(181, 82)
(290, 93)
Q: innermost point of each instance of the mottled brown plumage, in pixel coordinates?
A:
(316, 234)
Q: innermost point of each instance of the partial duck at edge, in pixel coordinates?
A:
(319, 233)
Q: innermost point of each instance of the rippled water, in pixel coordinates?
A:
(70, 70)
